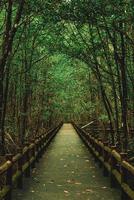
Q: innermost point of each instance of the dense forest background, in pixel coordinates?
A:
(66, 60)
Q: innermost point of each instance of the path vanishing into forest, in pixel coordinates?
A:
(67, 171)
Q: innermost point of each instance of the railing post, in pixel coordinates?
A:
(9, 176)
(40, 146)
(100, 152)
(33, 154)
(45, 139)
(28, 170)
(91, 144)
(95, 150)
(45, 142)
(105, 171)
(37, 148)
(113, 166)
(124, 177)
(88, 140)
(48, 137)
(20, 164)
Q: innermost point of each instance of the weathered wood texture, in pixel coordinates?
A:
(13, 170)
(114, 164)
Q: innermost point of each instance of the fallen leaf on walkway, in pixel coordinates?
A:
(78, 183)
(89, 190)
(69, 181)
(65, 191)
(104, 187)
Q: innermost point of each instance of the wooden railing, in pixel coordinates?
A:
(114, 164)
(13, 170)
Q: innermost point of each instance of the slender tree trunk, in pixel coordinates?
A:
(124, 89)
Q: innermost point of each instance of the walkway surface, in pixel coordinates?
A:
(67, 171)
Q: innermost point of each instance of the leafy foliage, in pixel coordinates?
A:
(66, 60)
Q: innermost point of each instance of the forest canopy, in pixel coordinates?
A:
(66, 60)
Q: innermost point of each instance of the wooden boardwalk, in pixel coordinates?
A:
(67, 171)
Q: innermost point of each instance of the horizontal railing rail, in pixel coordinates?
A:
(17, 166)
(115, 164)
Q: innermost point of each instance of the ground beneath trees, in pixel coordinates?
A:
(67, 171)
